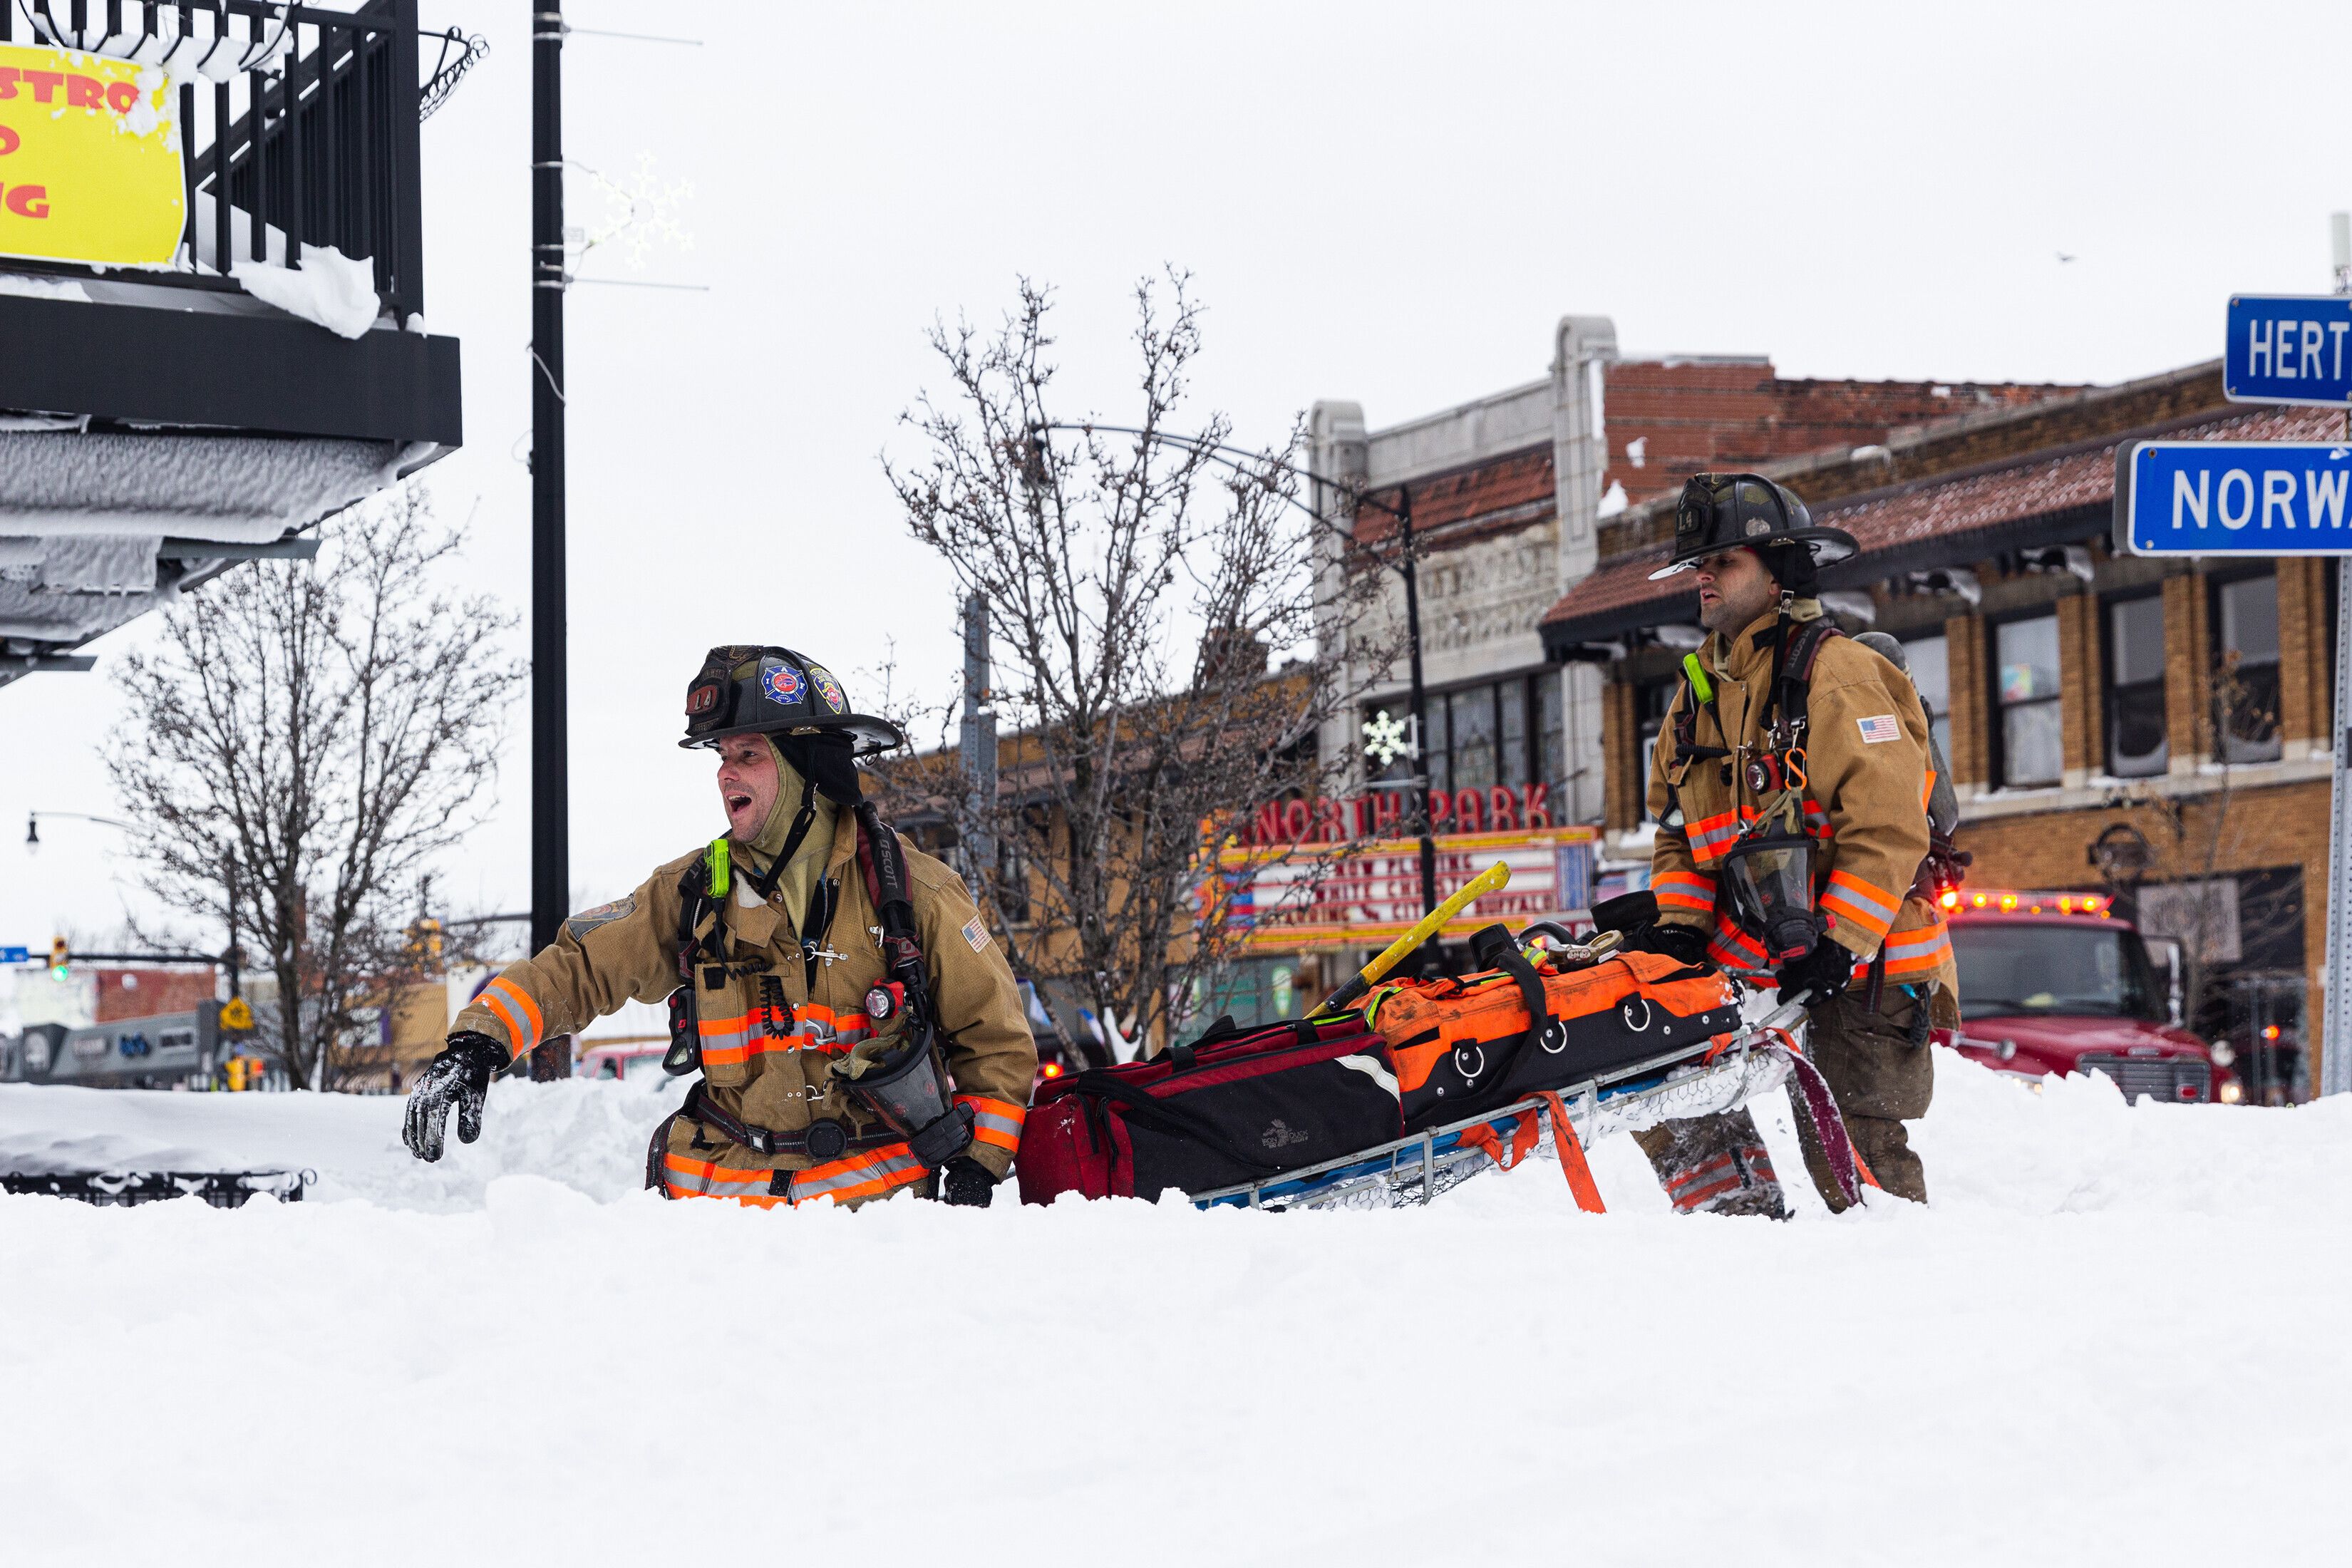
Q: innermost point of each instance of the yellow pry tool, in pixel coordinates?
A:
(1491, 879)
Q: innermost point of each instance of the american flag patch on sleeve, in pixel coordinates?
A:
(1881, 728)
(975, 935)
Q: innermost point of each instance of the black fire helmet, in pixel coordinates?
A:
(1724, 511)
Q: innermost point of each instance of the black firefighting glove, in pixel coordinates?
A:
(1682, 944)
(965, 1181)
(459, 1075)
(1824, 972)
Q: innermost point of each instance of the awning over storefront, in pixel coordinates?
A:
(2052, 498)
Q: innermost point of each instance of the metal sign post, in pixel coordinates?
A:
(2336, 1029)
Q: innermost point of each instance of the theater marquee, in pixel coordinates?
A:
(1332, 895)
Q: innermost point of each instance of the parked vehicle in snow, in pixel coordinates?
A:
(2059, 983)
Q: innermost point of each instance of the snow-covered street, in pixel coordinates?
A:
(2095, 1347)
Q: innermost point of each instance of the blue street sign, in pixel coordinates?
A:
(2289, 348)
(15, 955)
(2234, 498)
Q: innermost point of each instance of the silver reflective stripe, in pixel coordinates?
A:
(998, 1121)
(1860, 898)
(1927, 940)
(809, 1185)
(730, 1182)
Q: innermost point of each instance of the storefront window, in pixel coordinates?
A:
(1512, 745)
(2137, 746)
(1441, 770)
(1472, 729)
(1551, 762)
(2025, 691)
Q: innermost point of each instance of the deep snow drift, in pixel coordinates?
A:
(2116, 1336)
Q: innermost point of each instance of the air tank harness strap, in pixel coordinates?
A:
(831, 1137)
(702, 892)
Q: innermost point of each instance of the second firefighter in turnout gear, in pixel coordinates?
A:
(1790, 786)
(857, 1028)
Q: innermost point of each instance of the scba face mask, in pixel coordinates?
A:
(1769, 874)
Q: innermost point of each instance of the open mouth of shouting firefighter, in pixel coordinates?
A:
(858, 1030)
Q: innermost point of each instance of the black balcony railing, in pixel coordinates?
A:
(300, 125)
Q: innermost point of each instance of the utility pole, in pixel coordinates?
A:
(979, 745)
(550, 790)
(1420, 704)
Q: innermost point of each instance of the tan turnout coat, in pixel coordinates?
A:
(769, 1035)
(1865, 801)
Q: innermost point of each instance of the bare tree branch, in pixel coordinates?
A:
(309, 738)
(1139, 588)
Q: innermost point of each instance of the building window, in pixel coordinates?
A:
(2137, 747)
(1011, 884)
(1512, 745)
(2025, 693)
(2245, 622)
(1930, 660)
(1551, 731)
(1471, 729)
(1439, 766)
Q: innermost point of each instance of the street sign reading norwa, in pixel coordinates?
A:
(2234, 498)
(2290, 348)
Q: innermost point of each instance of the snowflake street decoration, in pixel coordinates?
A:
(639, 213)
(1384, 738)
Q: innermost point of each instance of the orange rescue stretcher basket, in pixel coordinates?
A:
(1462, 1046)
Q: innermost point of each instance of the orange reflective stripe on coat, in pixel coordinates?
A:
(1916, 951)
(870, 1174)
(1708, 839)
(1869, 907)
(996, 1121)
(862, 1176)
(1683, 890)
(1730, 948)
(728, 1042)
(686, 1177)
(517, 1011)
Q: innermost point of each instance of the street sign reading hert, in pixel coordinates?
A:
(2289, 348)
(2234, 498)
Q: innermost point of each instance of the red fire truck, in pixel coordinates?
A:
(2061, 982)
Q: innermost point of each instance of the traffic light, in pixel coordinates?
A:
(60, 961)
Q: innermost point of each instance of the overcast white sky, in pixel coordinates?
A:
(1391, 203)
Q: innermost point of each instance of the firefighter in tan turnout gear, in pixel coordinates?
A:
(1791, 785)
(857, 1028)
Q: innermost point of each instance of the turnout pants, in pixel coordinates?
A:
(1717, 1165)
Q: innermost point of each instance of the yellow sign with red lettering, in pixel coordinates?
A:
(89, 159)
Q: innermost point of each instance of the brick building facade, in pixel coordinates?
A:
(1515, 499)
(2156, 727)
